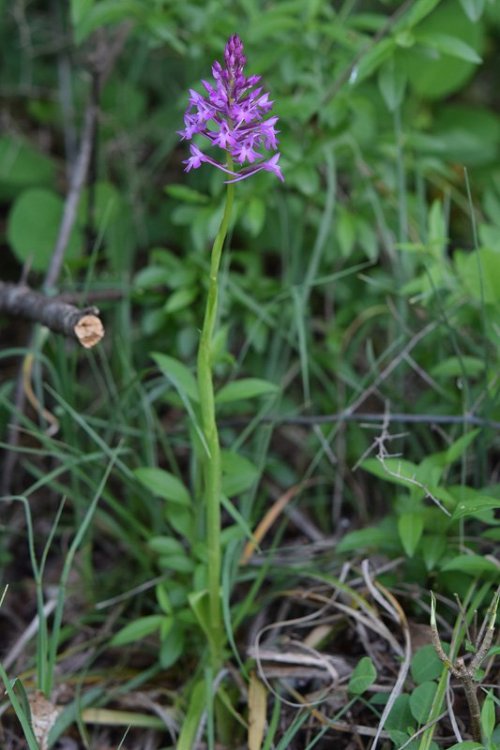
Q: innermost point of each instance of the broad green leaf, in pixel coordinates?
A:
(433, 548)
(488, 715)
(345, 231)
(180, 299)
(172, 645)
(455, 367)
(33, 228)
(305, 178)
(186, 194)
(200, 605)
(166, 545)
(436, 230)
(254, 216)
(471, 501)
(395, 470)
(163, 598)
(449, 45)
(433, 78)
(22, 166)
(166, 626)
(78, 10)
(152, 321)
(138, 629)
(400, 717)
(489, 235)
(480, 274)
(392, 81)
(473, 8)
(373, 60)
(180, 376)
(396, 465)
(405, 38)
(410, 527)
(400, 739)
(430, 470)
(238, 473)
(181, 519)
(466, 134)
(473, 565)
(457, 449)
(164, 484)
(493, 534)
(367, 239)
(426, 664)
(467, 745)
(383, 537)
(421, 700)
(150, 277)
(240, 390)
(362, 677)
(159, 23)
(418, 11)
(178, 563)
(106, 12)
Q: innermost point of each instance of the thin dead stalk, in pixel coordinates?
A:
(466, 673)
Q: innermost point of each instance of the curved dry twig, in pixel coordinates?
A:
(389, 603)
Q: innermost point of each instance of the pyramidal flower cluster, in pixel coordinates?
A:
(232, 116)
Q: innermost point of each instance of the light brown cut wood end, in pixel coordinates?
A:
(89, 331)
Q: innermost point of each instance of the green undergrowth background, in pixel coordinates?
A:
(368, 283)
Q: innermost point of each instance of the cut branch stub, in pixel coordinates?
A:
(83, 325)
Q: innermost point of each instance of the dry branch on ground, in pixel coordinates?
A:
(83, 325)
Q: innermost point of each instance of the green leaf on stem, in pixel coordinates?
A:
(474, 565)
(488, 716)
(140, 628)
(238, 473)
(473, 8)
(241, 390)
(362, 677)
(164, 484)
(421, 700)
(180, 376)
(449, 45)
(410, 527)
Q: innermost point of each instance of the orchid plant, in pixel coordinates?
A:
(233, 116)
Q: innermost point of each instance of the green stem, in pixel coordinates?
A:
(211, 456)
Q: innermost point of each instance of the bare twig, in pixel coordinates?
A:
(383, 455)
(392, 606)
(466, 674)
(71, 204)
(349, 416)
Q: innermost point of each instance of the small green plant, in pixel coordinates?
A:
(429, 515)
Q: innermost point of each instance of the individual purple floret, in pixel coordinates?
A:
(231, 116)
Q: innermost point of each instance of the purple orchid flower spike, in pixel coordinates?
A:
(231, 115)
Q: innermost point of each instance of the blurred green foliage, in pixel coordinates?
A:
(369, 281)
